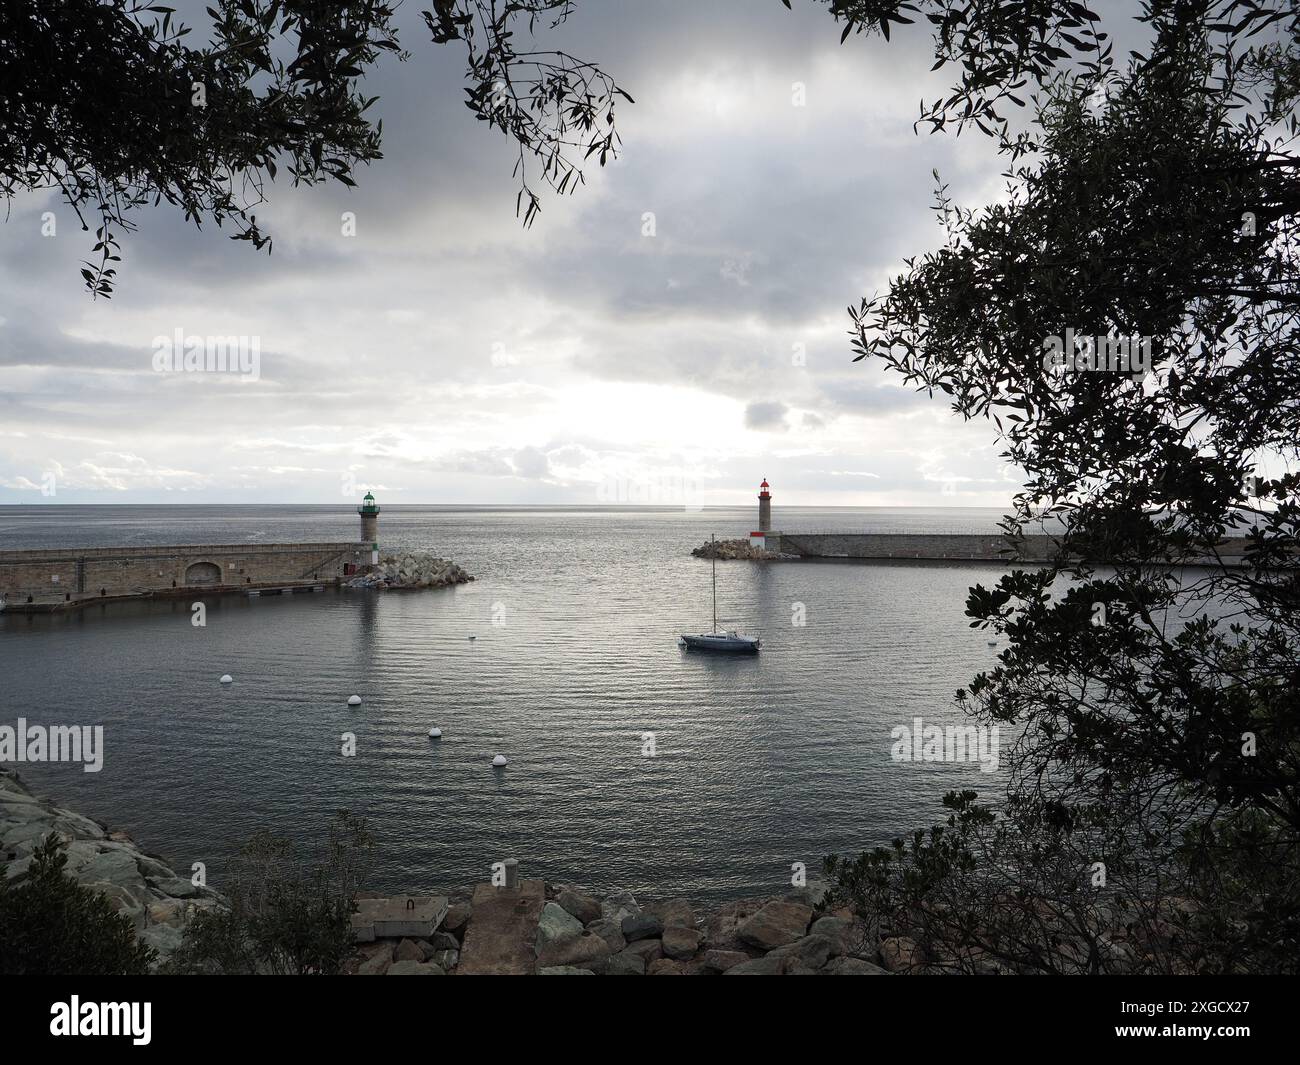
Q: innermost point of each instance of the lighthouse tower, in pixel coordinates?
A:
(369, 511)
(764, 508)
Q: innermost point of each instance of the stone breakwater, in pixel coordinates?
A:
(945, 547)
(562, 930)
(420, 570)
(138, 884)
(737, 551)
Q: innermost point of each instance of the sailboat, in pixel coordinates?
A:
(730, 642)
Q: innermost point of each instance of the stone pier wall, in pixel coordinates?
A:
(896, 545)
(936, 547)
(41, 580)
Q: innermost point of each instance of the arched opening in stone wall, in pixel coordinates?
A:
(203, 573)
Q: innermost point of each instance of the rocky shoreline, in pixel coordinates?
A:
(420, 570)
(136, 883)
(566, 931)
(550, 930)
(541, 928)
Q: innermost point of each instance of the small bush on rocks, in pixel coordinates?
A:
(285, 917)
(52, 926)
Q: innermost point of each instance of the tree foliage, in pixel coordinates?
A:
(52, 926)
(1130, 889)
(1157, 706)
(286, 915)
(109, 103)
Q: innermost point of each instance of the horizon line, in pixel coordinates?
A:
(669, 507)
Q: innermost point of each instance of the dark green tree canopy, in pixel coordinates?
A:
(50, 925)
(1151, 206)
(106, 101)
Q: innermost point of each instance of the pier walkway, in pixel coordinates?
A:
(945, 547)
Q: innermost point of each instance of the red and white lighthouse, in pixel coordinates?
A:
(758, 538)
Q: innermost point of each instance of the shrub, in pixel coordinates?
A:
(286, 917)
(52, 926)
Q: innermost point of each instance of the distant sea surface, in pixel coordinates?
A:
(632, 763)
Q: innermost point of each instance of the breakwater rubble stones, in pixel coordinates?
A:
(420, 570)
(579, 933)
(142, 886)
(738, 551)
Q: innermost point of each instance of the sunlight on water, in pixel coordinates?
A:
(760, 761)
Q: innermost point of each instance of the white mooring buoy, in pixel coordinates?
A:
(354, 700)
(499, 760)
(226, 678)
(435, 733)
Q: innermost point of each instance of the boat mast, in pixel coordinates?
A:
(714, 541)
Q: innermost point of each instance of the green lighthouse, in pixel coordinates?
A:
(369, 511)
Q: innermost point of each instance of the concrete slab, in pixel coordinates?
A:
(502, 933)
(416, 916)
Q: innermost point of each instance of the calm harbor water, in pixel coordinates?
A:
(760, 762)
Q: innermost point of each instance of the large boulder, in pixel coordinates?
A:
(554, 924)
(722, 926)
(626, 963)
(177, 887)
(681, 943)
(376, 959)
(722, 960)
(611, 932)
(776, 924)
(899, 954)
(24, 832)
(114, 867)
(619, 905)
(811, 952)
(408, 950)
(768, 966)
(847, 936)
(649, 949)
(641, 926)
(457, 918)
(585, 908)
(581, 949)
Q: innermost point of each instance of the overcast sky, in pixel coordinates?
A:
(444, 354)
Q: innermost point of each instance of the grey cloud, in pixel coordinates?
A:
(379, 350)
(531, 463)
(766, 415)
